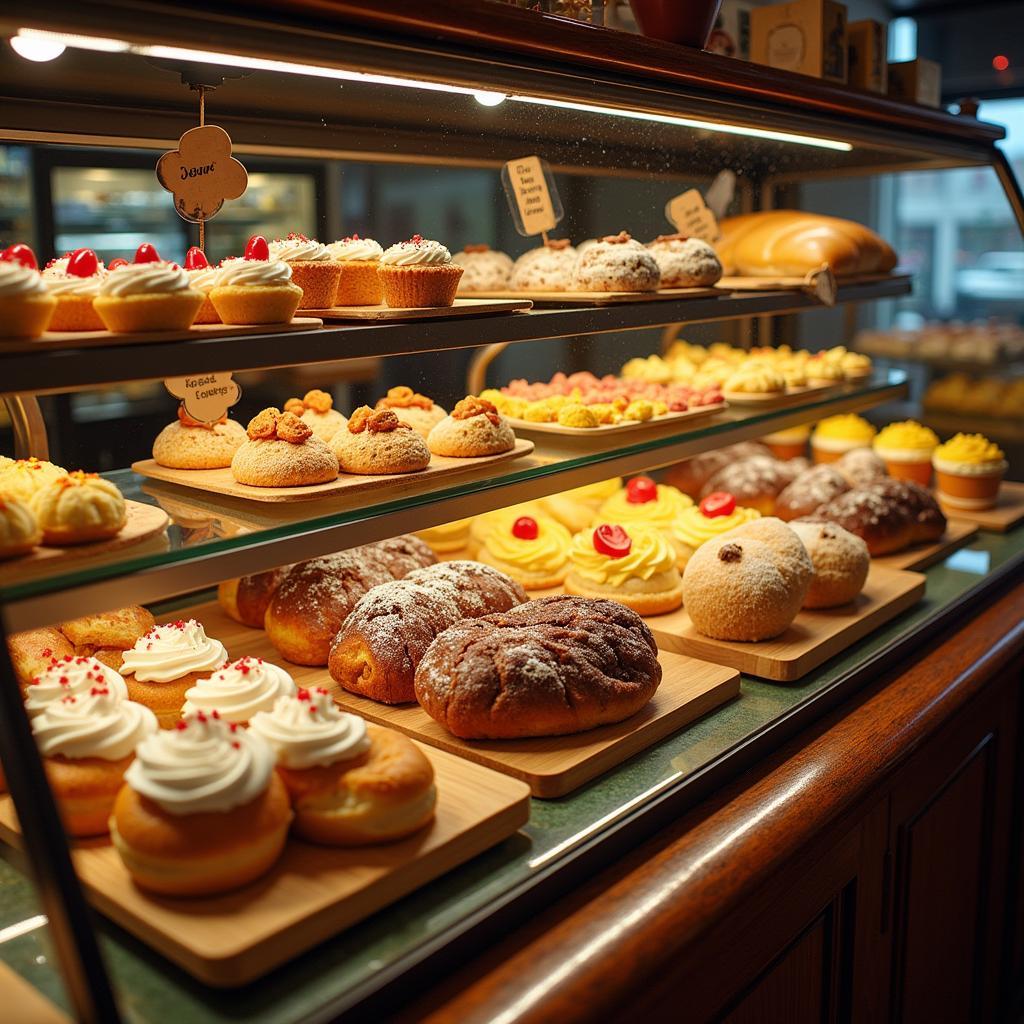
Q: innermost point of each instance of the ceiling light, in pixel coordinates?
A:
(36, 49)
(489, 99)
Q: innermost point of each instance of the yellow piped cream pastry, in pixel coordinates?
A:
(534, 550)
(19, 531)
(755, 379)
(79, 508)
(481, 526)
(906, 449)
(23, 478)
(968, 471)
(834, 436)
(643, 503)
(716, 514)
(447, 537)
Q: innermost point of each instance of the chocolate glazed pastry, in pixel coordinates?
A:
(550, 667)
(383, 640)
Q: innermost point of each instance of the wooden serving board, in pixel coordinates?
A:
(24, 1003)
(1007, 513)
(220, 481)
(791, 396)
(598, 434)
(312, 893)
(66, 339)
(143, 523)
(461, 307)
(814, 637)
(571, 298)
(919, 556)
(771, 284)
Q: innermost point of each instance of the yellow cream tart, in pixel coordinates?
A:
(716, 514)
(531, 549)
(968, 471)
(643, 503)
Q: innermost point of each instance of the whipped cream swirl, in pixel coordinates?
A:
(309, 730)
(94, 724)
(240, 689)
(201, 765)
(173, 650)
(242, 272)
(361, 249)
(18, 280)
(71, 676)
(417, 252)
(202, 279)
(298, 249)
(145, 279)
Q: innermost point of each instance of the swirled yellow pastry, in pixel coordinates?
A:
(650, 554)
(660, 513)
(693, 528)
(547, 552)
(972, 448)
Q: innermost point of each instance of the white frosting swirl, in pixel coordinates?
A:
(360, 249)
(416, 252)
(309, 730)
(72, 676)
(298, 249)
(240, 689)
(201, 765)
(18, 280)
(145, 279)
(95, 724)
(242, 272)
(173, 650)
(203, 279)
(66, 284)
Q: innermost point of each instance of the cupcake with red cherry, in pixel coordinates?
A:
(201, 277)
(634, 565)
(255, 289)
(74, 281)
(716, 514)
(533, 550)
(26, 307)
(642, 502)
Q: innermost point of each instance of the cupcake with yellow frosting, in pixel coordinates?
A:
(642, 502)
(906, 449)
(834, 436)
(715, 515)
(788, 444)
(634, 565)
(968, 471)
(534, 550)
(447, 537)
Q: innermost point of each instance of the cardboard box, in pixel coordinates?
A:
(731, 34)
(919, 81)
(866, 50)
(807, 36)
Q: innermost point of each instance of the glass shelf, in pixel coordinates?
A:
(219, 538)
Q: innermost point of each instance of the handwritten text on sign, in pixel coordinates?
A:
(205, 396)
(691, 216)
(529, 188)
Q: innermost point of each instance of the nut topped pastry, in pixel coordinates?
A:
(189, 443)
(419, 411)
(282, 451)
(316, 408)
(377, 442)
(548, 268)
(79, 508)
(485, 269)
(685, 262)
(618, 263)
(474, 428)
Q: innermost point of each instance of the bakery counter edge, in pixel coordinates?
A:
(817, 878)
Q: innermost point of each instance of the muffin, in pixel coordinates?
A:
(617, 263)
(790, 443)
(312, 269)
(19, 531)
(836, 435)
(256, 289)
(191, 444)
(418, 274)
(474, 428)
(533, 550)
(685, 262)
(239, 690)
(201, 278)
(316, 410)
(485, 269)
(548, 268)
(26, 306)
(359, 283)
(281, 451)
(74, 281)
(79, 508)
(150, 296)
(968, 471)
(642, 502)
(373, 443)
(716, 514)
(906, 449)
(419, 411)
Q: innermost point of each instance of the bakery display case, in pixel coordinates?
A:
(698, 393)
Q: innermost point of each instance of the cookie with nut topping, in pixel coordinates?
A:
(376, 441)
(282, 451)
(474, 428)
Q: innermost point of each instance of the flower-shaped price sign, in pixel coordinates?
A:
(201, 173)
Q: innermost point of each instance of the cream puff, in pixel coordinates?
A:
(79, 508)
(19, 531)
(71, 676)
(316, 410)
(238, 691)
(201, 811)
(350, 783)
(167, 662)
(23, 478)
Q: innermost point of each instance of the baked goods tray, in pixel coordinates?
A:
(808, 282)
(791, 396)
(598, 435)
(78, 339)
(145, 523)
(220, 481)
(919, 556)
(312, 893)
(600, 298)
(1003, 517)
(461, 307)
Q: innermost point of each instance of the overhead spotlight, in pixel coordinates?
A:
(489, 99)
(37, 47)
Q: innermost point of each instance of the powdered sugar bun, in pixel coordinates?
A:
(685, 262)
(841, 562)
(617, 263)
(810, 489)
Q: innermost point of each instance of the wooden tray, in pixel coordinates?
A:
(600, 298)
(920, 556)
(814, 637)
(76, 339)
(771, 284)
(461, 307)
(599, 434)
(1008, 512)
(220, 481)
(788, 397)
(312, 893)
(144, 522)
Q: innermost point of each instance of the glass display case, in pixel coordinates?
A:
(390, 123)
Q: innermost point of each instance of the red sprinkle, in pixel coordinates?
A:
(181, 724)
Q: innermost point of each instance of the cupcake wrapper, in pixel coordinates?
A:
(22, 317)
(318, 280)
(237, 304)
(175, 311)
(75, 313)
(359, 284)
(420, 287)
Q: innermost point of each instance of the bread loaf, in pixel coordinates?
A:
(383, 640)
(247, 598)
(550, 667)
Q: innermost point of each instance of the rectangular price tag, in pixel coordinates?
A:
(690, 215)
(532, 195)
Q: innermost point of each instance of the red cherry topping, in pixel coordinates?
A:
(120, 261)
(195, 259)
(146, 253)
(257, 248)
(83, 263)
(20, 253)
(612, 541)
(718, 503)
(640, 490)
(525, 528)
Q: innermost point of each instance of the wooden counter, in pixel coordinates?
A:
(872, 867)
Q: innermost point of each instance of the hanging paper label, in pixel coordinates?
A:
(691, 216)
(201, 173)
(206, 397)
(532, 195)
(720, 192)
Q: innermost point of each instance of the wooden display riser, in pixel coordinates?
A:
(1007, 513)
